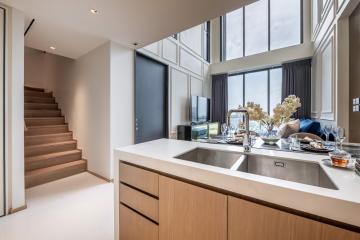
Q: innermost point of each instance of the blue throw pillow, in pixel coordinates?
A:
(305, 125)
(310, 126)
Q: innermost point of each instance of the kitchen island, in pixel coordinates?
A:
(154, 172)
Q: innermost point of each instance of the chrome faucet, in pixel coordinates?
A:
(247, 140)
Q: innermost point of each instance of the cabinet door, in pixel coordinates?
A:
(190, 212)
(250, 221)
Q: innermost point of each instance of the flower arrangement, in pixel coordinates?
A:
(281, 113)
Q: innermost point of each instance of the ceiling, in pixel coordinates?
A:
(73, 30)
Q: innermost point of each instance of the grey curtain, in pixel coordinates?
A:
(219, 98)
(297, 81)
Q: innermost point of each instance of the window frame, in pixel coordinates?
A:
(223, 31)
(268, 69)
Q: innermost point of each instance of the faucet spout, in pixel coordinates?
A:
(247, 140)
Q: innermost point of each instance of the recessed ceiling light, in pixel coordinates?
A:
(94, 11)
(53, 48)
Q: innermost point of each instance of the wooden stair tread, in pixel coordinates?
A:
(47, 126)
(49, 135)
(48, 174)
(30, 113)
(51, 155)
(47, 138)
(29, 93)
(40, 106)
(34, 89)
(46, 129)
(51, 144)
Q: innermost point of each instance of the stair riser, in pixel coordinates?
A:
(42, 113)
(31, 181)
(43, 106)
(39, 100)
(39, 150)
(46, 130)
(29, 166)
(44, 122)
(38, 94)
(35, 140)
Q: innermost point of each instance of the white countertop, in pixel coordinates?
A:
(341, 205)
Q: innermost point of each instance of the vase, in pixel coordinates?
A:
(269, 135)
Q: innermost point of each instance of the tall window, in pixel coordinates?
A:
(206, 44)
(262, 26)
(262, 87)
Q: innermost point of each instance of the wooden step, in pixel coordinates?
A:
(28, 93)
(47, 138)
(41, 121)
(52, 159)
(50, 129)
(45, 175)
(33, 89)
(29, 99)
(47, 148)
(42, 113)
(33, 106)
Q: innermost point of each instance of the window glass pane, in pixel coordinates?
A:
(235, 91)
(284, 25)
(275, 87)
(234, 34)
(256, 27)
(256, 85)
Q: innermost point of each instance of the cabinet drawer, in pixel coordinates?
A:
(135, 227)
(139, 178)
(140, 202)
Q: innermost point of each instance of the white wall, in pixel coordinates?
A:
(44, 69)
(266, 59)
(188, 72)
(121, 97)
(15, 110)
(330, 82)
(83, 94)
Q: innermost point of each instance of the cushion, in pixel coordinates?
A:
(289, 128)
(310, 126)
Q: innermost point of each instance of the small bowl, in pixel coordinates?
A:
(340, 159)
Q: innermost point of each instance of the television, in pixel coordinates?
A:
(200, 109)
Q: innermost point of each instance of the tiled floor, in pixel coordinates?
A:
(76, 208)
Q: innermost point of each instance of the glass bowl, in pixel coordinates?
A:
(339, 158)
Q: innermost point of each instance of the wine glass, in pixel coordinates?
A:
(224, 128)
(340, 136)
(327, 130)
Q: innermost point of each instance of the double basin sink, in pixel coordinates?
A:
(310, 173)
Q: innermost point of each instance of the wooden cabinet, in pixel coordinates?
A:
(190, 212)
(155, 207)
(251, 221)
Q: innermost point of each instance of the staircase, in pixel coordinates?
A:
(50, 151)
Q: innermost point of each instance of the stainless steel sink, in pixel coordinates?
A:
(223, 159)
(287, 169)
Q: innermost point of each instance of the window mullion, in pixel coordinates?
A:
(243, 29)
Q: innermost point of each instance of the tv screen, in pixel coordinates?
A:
(200, 109)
